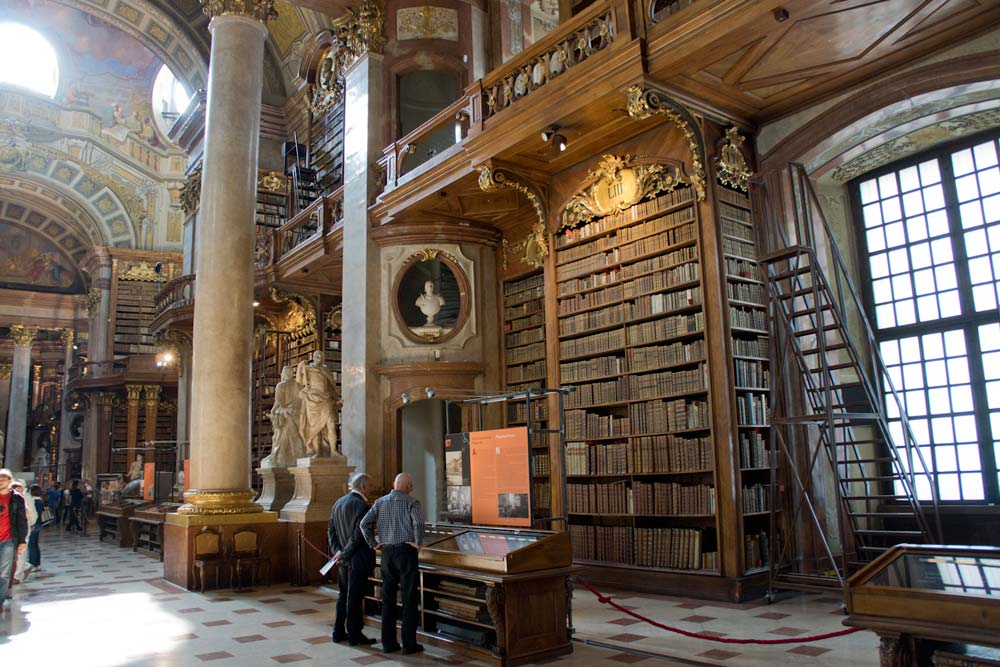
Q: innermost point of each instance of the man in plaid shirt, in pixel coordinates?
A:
(400, 527)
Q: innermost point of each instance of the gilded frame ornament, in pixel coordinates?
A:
(731, 166)
(534, 247)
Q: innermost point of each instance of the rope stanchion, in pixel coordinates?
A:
(316, 548)
(606, 599)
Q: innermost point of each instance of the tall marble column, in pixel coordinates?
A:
(5, 373)
(363, 144)
(17, 413)
(67, 337)
(223, 316)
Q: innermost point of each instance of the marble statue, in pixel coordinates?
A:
(320, 407)
(135, 471)
(41, 460)
(286, 442)
(430, 304)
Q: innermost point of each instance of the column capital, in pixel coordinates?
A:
(133, 392)
(36, 372)
(6, 370)
(24, 336)
(152, 392)
(360, 31)
(262, 10)
(68, 336)
(92, 302)
(106, 399)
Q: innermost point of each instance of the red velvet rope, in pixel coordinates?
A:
(316, 549)
(606, 599)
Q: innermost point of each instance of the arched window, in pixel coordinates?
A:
(27, 60)
(170, 99)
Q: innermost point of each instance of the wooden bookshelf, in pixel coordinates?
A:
(749, 348)
(630, 321)
(524, 368)
(135, 308)
(327, 149)
(271, 204)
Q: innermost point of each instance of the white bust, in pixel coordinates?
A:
(430, 303)
(135, 471)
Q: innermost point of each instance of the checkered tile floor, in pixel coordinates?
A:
(94, 604)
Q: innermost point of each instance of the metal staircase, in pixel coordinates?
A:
(834, 407)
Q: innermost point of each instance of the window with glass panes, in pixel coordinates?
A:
(931, 227)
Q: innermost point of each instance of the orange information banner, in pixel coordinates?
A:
(500, 477)
(148, 476)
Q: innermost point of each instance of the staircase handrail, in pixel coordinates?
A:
(799, 173)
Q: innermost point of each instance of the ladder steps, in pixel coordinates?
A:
(809, 311)
(810, 332)
(834, 367)
(791, 273)
(785, 253)
(884, 515)
(827, 348)
(877, 478)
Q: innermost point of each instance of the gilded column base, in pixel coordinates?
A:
(218, 501)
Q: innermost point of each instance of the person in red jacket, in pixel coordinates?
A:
(13, 531)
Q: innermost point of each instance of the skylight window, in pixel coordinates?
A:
(27, 60)
(170, 99)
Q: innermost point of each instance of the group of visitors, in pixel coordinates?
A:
(395, 525)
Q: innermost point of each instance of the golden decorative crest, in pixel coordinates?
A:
(191, 192)
(328, 90)
(335, 318)
(731, 165)
(67, 337)
(427, 23)
(427, 254)
(646, 103)
(36, 372)
(361, 31)
(535, 245)
(271, 181)
(142, 271)
(262, 10)
(92, 302)
(23, 336)
(617, 184)
(6, 370)
(299, 318)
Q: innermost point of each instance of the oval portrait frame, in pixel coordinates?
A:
(427, 255)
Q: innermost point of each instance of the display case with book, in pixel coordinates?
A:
(502, 593)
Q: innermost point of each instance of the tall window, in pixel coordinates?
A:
(170, 99)
(27, 60)
(932, 233)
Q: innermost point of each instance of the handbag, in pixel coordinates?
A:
(47, 516)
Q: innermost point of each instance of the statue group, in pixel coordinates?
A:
(305, 413)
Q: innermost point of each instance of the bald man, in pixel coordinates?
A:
(400, 527)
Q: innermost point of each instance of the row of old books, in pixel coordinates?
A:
(751, 410)
(662, 279)
(525, 353)
(591, 264)
(756, 549)
(524, 337)
(605, 459)
(595, 367)
(663, 223)
(756, 498)
(753, 451)
(599, 498)
(659, 242)
(571, 287)
(737, 230)
(670, 498)
(751, 374)
(585, 250)
(662, 329)
(634, 213)
(602, 342)
(732, 197)
(642, 455)
(675, 548)
(598, 393)
(743, 268)
(744, 249)
(734, 213)
(517, 286)
(667, 383)
(755, 347)
(526, 372)
(470, 611)
(541, 464)
(541, 495)
(664, 416)
(663, 261)
(748, 292)
(612, 294)
(522, 322)
(583, 425)
(658, 356)
(524, 296)
(602, 543)
(522, 310)
(747, 318)
(664, 302)
(518, 411)
(593, 319)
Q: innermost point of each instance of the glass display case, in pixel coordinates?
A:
(916, 596)
(504, 551)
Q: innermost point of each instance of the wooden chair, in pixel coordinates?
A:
(246, 554)
(209, 555)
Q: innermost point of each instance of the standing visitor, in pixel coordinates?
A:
(357, 561)
(400, 533)
(75, 504)
(53, 495)
(34, 548)
(13, 531)
(21, 562)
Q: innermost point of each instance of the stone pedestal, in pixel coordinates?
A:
(319, 483)
(278, 489)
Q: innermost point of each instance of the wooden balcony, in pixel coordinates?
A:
(175, 306)
(111, 375)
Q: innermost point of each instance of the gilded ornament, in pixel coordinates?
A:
(151, 393)
(618, 183)
(36, 372)
(271, 181)
(426, 23)
(133, 392)
(142, 271)
(262, 10)
(24, 336)
(731, 165)
(67, 337)
(6, 370)
(361, 31)
(300, 316)
(93, 302)
(535, 246)
(643, 104)
(191, 192)
(218, 501)
(335, 318)
(427, 254)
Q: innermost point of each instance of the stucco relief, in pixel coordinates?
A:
(427, 23)
(406, 347)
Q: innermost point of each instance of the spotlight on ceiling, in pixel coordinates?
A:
(549, 132)
(560, 141)
(556, 141)
(406, 398)
(256, 303)
(430, 392)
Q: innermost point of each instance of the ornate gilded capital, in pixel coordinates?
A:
(143, 271)
(262, 10)
(68, 336)
(107, 399)
(218, 501)
(23, 336)
(93, 302)
(133, 392)
(152, 393)
(36, 372)
(643, 103)
(361, 30)
(535, 246)
(6, 370)
(191, 192)
(731, 166)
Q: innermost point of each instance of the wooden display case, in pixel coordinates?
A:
(113, 520)
(502, 594)
(146, 525)
(918, 597)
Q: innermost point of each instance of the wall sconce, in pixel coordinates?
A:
(557, 142)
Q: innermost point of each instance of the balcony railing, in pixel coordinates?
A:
(314, 222)
(97, 370)
(435, 136)
(177, 293)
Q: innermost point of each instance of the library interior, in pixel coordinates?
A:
(680, 316)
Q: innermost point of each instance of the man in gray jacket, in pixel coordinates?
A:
(357, 561)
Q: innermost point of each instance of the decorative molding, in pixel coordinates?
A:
(496, 601)
(427, 22)
(191, 192)
(354, 34)
(24, 336)
(618, 183)
(36, 373)
(92, 302)
(271, 181)
(218, 501)
(644, 103)
(335, 318)
(300, 318)
(143, 271)
(575, 48)
(731, 167)
(177, 343)
(133, 392)
(262, 10)
(535, 246)
(151, 393)
(6, 370)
